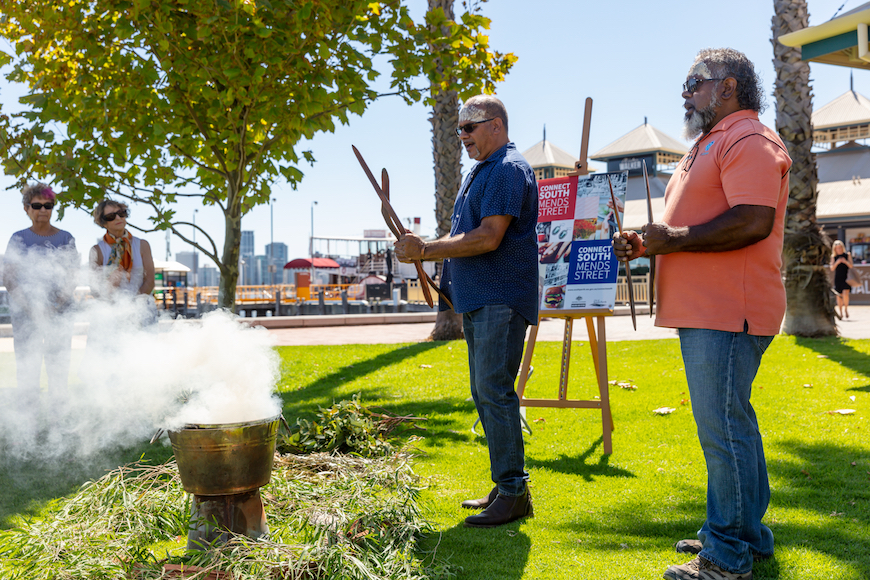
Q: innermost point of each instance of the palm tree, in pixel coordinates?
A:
(447, 154)
(806, 249)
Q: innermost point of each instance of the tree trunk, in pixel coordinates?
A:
(806, 249)
(229, 265)
(447, 154)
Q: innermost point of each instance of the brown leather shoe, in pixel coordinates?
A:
(501, 511)
(481, 503)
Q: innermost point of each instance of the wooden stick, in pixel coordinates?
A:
(581, 167)
(627, 268)
(421, 275)
(652, 259)
(394, 223)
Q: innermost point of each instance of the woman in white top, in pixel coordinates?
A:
(126, 259)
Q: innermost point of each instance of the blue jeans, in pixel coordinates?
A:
(720, 367)
(495, 335)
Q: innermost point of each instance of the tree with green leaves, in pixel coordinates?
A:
(444, 95)
(155, 100)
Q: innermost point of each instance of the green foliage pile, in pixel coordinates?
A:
(345, 427)
(329, 517)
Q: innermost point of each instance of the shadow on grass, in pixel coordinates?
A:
(445, 422)
(839, 349)
(503, 551)
(825, 494)
(303, 401)
(30, 484)
(578, 466)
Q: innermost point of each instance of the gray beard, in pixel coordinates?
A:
(700, 121)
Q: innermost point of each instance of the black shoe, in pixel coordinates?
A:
(481, 503)
(501, 511)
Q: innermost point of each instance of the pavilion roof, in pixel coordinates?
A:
(644, 139)
(545, 154)
(850, 108)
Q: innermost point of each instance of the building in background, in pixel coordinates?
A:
(548, 160)
(191, 260)
(648, 146)
(246, 247)
(843, 203)
(209, 276)
(278, 256)
(246, 258)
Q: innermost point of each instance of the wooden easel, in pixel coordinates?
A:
(597, 342)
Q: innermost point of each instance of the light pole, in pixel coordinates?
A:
(195, 274)
(272, 239)
(311, 246)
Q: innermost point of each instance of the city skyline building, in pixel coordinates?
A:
(246, 247)
(281, 255)
(191, 260)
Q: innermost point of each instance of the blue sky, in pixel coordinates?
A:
(630, 56)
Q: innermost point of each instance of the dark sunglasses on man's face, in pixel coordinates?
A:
(110, 217)
(469, 127)
(38, 206)
(691, 85)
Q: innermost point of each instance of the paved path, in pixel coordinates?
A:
(617, 328)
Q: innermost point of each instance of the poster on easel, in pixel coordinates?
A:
(577, 270)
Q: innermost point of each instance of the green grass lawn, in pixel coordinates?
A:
(599, 516)
(617, 516)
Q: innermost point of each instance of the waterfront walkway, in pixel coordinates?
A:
(617, 328)
(326, 330)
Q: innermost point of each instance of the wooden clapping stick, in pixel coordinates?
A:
(627, 268)
(395, 225)
(652, 259)
(385, 181)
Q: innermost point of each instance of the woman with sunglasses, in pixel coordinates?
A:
(125, 259)
(40, 269)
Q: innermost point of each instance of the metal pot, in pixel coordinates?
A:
(227, 458)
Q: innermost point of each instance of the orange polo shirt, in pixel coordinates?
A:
(739, 162)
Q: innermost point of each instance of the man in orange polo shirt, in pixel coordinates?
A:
(719, 246)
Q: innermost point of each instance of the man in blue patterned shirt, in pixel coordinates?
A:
(491, 276)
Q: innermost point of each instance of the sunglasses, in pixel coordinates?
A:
(110, 217)
(691, 85)
(38, 206)
(469, 127)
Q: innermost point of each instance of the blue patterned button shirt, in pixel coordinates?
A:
(501, 184)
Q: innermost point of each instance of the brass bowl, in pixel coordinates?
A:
(227, 458)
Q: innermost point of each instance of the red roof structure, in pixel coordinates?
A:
(305, 263)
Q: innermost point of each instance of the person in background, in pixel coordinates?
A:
(124, 259)
(841, 261)
(491, 275)
(723, 224)
(41, 265)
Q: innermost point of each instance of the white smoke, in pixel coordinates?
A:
(136, 374)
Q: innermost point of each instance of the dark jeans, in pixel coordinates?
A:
(495, 335)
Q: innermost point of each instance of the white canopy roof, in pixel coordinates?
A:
(170, 266)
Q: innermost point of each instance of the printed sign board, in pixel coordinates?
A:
(576, 221)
